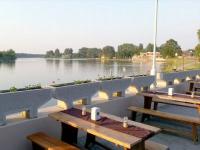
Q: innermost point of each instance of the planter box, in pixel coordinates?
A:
(109, 79)
(70, 83)
(28, 100)
(20, 89)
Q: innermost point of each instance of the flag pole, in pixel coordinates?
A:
(153, 69)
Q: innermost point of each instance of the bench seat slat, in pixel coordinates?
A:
(165, 115)
(174, 103)
(151, 145)
(50, 143)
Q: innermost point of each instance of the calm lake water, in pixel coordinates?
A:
(29, 71)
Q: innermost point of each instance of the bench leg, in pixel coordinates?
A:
(144, 116)
(194, 133)
(133, 115)
(69, 134)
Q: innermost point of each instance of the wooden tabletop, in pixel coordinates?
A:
(110, 135)
(178, 97)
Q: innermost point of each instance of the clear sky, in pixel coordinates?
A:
(35, 26)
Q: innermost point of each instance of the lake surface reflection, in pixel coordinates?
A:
(26, 71)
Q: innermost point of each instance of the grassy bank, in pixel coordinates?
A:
(186, 63)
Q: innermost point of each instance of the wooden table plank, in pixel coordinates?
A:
(173, 98)
(99, 131)
(137, 124)
(110, 135)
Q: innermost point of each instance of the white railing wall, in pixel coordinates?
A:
(181, 76)
(29, 101)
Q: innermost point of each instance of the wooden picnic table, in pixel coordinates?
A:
(177, 97)
(71, 124)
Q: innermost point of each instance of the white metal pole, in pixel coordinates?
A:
(153, 70)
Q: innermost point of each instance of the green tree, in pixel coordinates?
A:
(57, 53)
(89, 52)
(170, 48)
(82, 52)
(8, 55)
(68, 52)
(108, 52)
(149, 47)
(140, 47)
(1, 55)
(49, 54)
(127, 50)
(198, 34)
(197, 51)
(93, 53)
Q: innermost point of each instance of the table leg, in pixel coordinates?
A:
(155, 107)
(133, 115)
(198, 110)
(36, 147)
(90, 139)
(147, 105)
(191, 87)
(69, 134)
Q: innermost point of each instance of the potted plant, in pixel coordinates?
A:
(71, 83)
(29, 87)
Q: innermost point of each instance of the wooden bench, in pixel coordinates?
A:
(194, 122)
(41, 141)
(150, 145)
(156, 101)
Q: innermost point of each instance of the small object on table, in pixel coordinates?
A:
(83, 111)
(95, 113)
(192, 94)
(125, 122)
(170, 91)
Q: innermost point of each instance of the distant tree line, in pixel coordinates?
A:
(126, 50)
(197, 48)
(8, 55)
